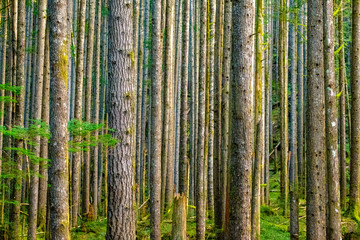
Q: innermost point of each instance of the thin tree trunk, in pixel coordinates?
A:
(242, 119)
(43, 181)
(293, 178)
(354, 201)
(36, 114)
(283, 79)
(219, 199)
(199, 183)
(155, 126)
(259, 123)
(79, 68)
(342, 102)
(95, 154)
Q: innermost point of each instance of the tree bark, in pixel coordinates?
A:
(342, 102)
(241, 121)
(121, 183)
(316, 162)
(354, 201)
(200, 171)
(155, 125)
(58, 173)
(79, 68)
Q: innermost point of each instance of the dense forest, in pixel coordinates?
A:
(179, 119)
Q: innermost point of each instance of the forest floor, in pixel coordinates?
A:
(273, 224)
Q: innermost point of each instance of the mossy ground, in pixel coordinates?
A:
(273, 224)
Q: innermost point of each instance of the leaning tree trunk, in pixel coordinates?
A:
(58, 172)
(242, 119)
(315, 152)
(121, 181)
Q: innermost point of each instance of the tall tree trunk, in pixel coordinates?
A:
(58, 173)
(79, 69)
(342, 102)
(19, 72)
(211, 77)
(168, 128)
(36, 114)
(121, 183)
(183, 158)
(259, 123)
(43, 181)
(293, 178)
(88, 77)
(95, 150)
(199, 183)
(354, 201)
(333, 188)
(155, 126)
(219, 199)
(300, 101)
(283, 79)
(242, 119)
(316, 156)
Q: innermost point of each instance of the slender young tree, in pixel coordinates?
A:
(241, 121)
(155, 121)
(316, 161)
(354, 201)
(200, 171)
(283, 79)
(121, 191)
(333, 188)
(79, 69)
(342, 102)
(36, 114)
(259, 123)
(293, 176)
(19, 77)
(58, 172)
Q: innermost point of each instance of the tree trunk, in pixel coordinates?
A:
(316, 156)
(79, 68)
(43, 181)
(354, 201)
(199, 183)
(88, 77)
(179, 217)
(293, 178)
(58, 173)
(36, 114)
(342, 92)
(155, 126)
(121, 183)
(283, 79)
(242, 119)
(333, 191)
